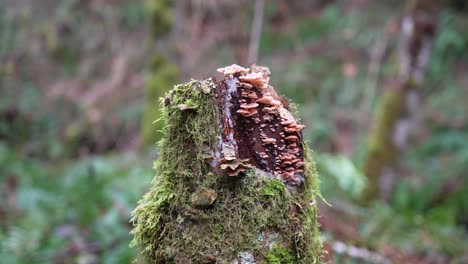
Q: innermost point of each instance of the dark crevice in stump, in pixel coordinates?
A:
(257, 123)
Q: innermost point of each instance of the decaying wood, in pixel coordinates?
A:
(234, 182)
(258, 129)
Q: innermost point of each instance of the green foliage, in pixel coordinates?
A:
(50, 208)
(133, 14)
(433, 231)
(159, 12)
(342, 172)
(450, 44)
(22, 125)
(441, 161)
(8, 38)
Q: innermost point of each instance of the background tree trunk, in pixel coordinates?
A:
(234, 182)
(162, 72)
(395, 120)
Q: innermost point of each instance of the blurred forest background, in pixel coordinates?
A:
(79, 89)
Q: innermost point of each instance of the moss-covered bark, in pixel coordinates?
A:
(202, 208)
(395, 115)
(382, 151)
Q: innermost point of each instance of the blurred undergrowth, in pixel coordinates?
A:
(68, 210)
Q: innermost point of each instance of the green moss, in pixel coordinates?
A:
(308, 241)
(218, 230)
(279, 255)
(185, 137)
(273, 188)
(382, 152)
(169, 228)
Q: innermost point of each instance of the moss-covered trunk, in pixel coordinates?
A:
(395, 119)
(234, 182)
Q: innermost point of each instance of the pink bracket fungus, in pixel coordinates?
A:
(258, 121)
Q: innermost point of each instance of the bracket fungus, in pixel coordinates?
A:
(233, 176)
(274, 128)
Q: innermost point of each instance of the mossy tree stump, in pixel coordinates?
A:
(234, 181)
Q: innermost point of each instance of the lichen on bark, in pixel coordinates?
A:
(196, 212)
(382, 152)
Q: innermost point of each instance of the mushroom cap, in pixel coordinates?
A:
(269, 141)
(300, 127)
(252, 96)
(268, 100)
(287, 175)
(293, 150)
(249, 94)
(249, 106)
(288, 122)
(234, 68)
(299, 164)
(230, 165)
(255, 78)
(234, 172)
(293, 128)
(287, 156)
(233, 167)
(247, 112)
(270, 109)
(291, 138)
(246, 85)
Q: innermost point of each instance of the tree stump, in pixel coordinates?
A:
(234, 181)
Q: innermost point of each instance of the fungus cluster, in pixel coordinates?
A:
(229, 162)
(248, 109)
(266, 134)
(232, 166)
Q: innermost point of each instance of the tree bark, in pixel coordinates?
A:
(395, 121)
(234, 181)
